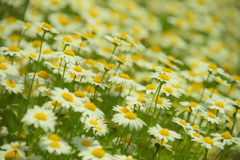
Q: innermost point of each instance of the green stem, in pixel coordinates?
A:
(22, 34)
(231, 88)
(115, 46)
(205, 83)
(64, 73)
(25, 9)
(205, 155)
(30, 89)
(234, 120)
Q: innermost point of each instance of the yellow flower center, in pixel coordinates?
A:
(195, 127)
(79, 93)
(212, 66)
(47, 51)
(168, 70)
(27, 25)
(238, 102)
(164, 132)
(15, 38)
(187, 109)
(122, 58)
(124, 75)
(136, 41)
(219, 104)
(155, 48)
(99, 153)
(67, 97)
(164, 77)
(32, 55)
(86, 143)
(76, 36)
(11, 155)
(191, 73)
(36, 43)
(98, 128)
(150, 87)
(63, 20)
(98, 79)
(47, 92)
(117, 41)
(226, 135)
(93, 122)
(67, 39)
(11, 19)
(141, 100)
(54, 103)
(183, 122)
(196, 134)
(14, 48)
(69, 52)
(124, 110)
(130, 115)
(43, 74)
(128, 159)
(168, 89)
(55, 145)
(125, 139)
(91, 106)
(219, 80)
(161, 141)
(211, 115)
(54, 137)
(55, 64)
(16, 147)
(77, 69)
(158, 100)
(236, 77)
(41, 116)
(208, 140)
(47, 26)
(106, 50)
(193, 104)
(3, 67)
(11, 83)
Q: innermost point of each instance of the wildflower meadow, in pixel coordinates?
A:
(119, 79)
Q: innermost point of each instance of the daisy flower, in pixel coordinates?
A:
(193, 105)
(44, 91)
(163, 78)
(78, 70)
(12, 51)
(95, 154)
(162, 133)
(69, 56)
(220, 81)
(46, 27)
(91, 123)
(220, 103)
(122, 60)
(13, 84)
(42, 77)
(139, 101)
(128, 118)
(136, 43)
(210, 117)
(83, 143)
(17, 146)
(226, 138)
(121, 109)
(150, 88)
(40, 117)
(194, 135)
(165, 70)
(181, 122)
(66, 98)
(162, 103)
(8, 69)
(116, 41)
(97, 81)
(33, 157)
(81, 95)
(124, 80)
(162, 143)
(90, 109)
(66, 40)
(170, 90)
(208, 143)
(191, 76)
(125, 141)
(3, 131)
(122, 157)
(12, 155)
(212, 68)
(53, 143)
(100, 130)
